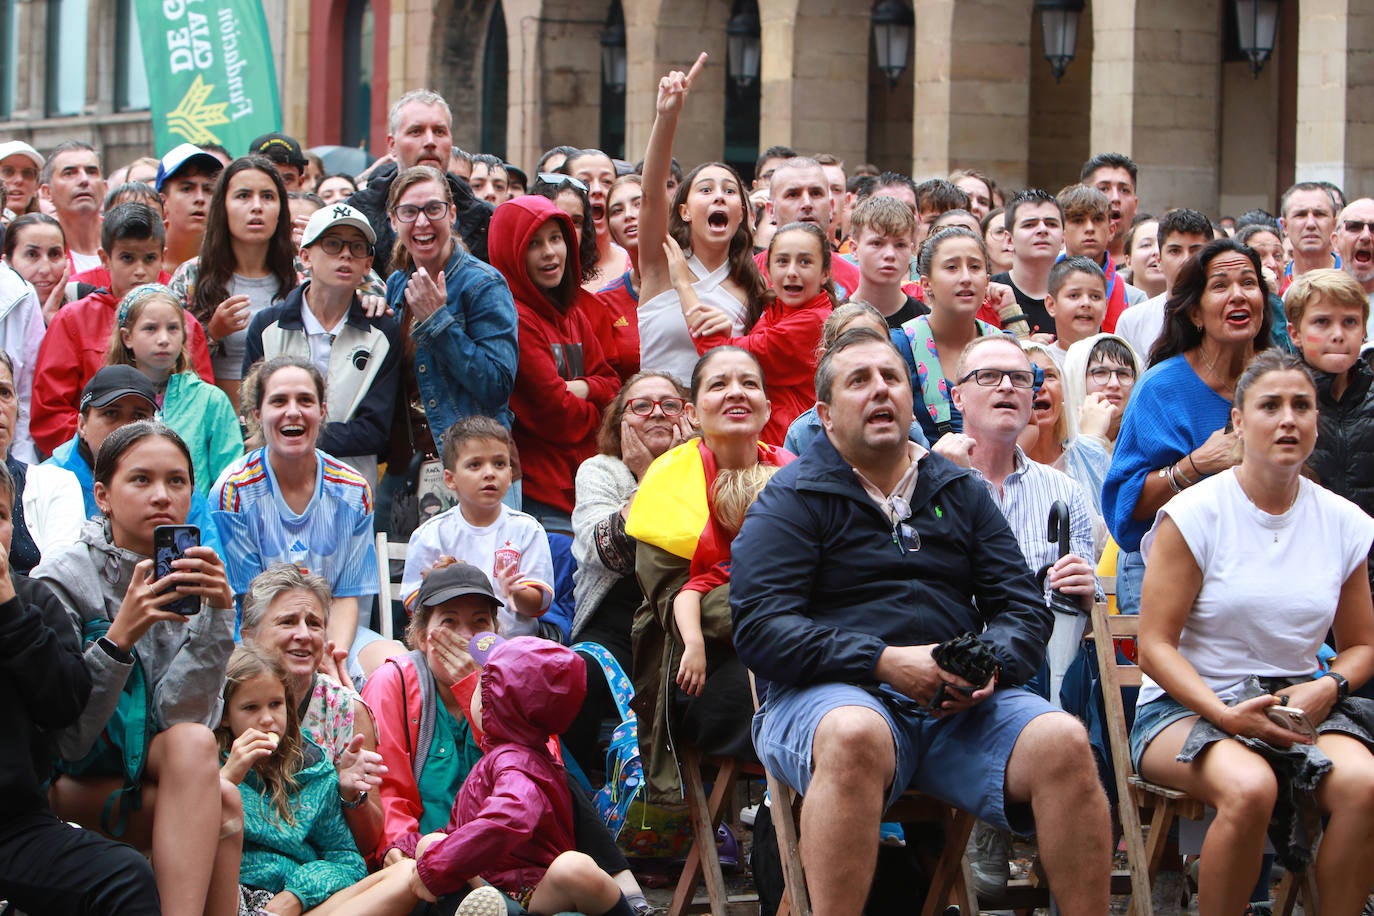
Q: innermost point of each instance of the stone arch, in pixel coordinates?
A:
(457, 54)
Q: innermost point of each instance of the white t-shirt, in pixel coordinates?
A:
(1142, 324)
(450, 534)
(1270, 583)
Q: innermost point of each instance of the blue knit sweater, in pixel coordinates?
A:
(1170, 413)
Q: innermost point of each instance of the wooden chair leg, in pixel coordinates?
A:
(952, 881)
(1137, 862)
(703, 861)
(783, 803)
(1293, 885)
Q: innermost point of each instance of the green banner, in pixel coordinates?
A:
(210, 72)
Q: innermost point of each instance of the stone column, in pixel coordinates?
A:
(972, 94)
(1335, 136)
(662, 36)
(815, 77)
(1156, 96)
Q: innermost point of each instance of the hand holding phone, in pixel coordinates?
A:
(1293, 719)
(170, 543)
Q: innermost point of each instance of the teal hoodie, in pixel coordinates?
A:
(313, 858)
(202, 415)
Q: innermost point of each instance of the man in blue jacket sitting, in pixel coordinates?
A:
(856, 561)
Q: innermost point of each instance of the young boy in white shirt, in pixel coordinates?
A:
(509, 546)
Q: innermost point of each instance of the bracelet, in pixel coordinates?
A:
(356, 803)
(1196, 470)
(1175, 470)
(1169, 478)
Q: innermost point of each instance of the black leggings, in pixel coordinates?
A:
(591, 834)
(50, 867)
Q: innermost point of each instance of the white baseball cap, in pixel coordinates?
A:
(20, 148)
(333, 215)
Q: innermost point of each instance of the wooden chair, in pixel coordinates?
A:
(951, 882)
(388, 592)
(1145, 854)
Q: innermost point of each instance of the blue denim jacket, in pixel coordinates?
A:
(465, 353)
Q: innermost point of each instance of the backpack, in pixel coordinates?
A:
(624, 772)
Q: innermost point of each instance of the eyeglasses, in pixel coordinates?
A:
(642, 407)
(434, 210)
(332, 245)
(1356, 226)
(991, 378)
(1125, 375)
(558, 180)
(9, 171)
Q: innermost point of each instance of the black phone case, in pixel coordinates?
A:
(170, 542)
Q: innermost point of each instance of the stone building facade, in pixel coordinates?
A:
(1161, 80)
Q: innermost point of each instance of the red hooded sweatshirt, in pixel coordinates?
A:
(554, 429)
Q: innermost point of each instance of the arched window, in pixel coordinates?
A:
(131, 80)
(66, 78)
(9, 53)
(495, 84)
(356, 97)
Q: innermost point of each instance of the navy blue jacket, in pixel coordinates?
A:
(819, 584)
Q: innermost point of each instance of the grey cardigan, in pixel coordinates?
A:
(604, 484)
(184, 662)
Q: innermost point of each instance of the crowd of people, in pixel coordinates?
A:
(674, 428)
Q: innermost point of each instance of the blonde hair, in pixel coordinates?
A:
(734, 491)
(1061, 424)
(883, 215)
(278, 770)
(138, 299)
(1329, 283)
(839, 320)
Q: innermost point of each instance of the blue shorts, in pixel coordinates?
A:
(961, 760)
(1151, 719)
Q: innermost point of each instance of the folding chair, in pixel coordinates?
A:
(1144, 854)
(388, 592)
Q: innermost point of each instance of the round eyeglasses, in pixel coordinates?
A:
(332, 245)
(1125, 375)
(642, 407)
(434, 210)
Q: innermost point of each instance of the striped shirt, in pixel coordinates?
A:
(332, 537)
(1025, 498)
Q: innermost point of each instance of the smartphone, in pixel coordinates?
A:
(170, 542)
(1293, 719)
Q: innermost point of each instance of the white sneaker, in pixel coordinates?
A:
(989, 860)
(483, 901)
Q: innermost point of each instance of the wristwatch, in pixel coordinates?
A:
(1342, 685)
(356, 803)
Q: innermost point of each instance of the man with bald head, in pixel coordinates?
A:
(800, 193)
(1353, 241)
(420, 132)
